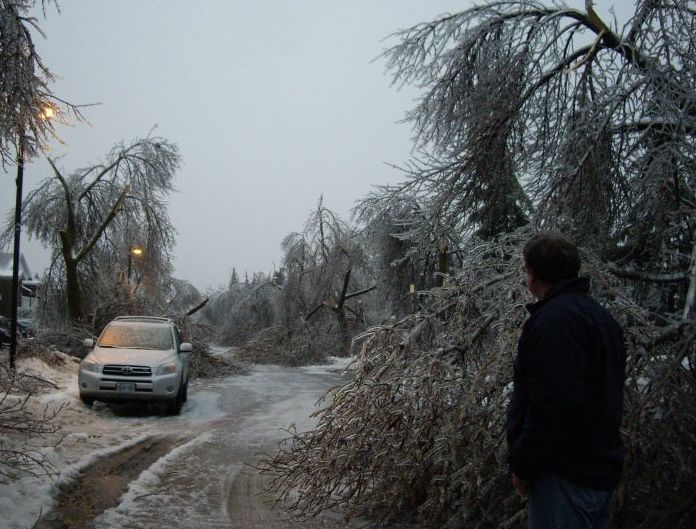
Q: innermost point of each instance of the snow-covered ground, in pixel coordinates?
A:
(223, 424)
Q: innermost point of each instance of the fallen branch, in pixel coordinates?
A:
(649, 276)
(198, 307)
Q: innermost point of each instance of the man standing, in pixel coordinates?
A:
(565, 413)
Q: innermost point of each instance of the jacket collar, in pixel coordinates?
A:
(578, 285)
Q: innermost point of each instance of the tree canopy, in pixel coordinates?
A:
(28, 106)
(545, 113)
(103, 210)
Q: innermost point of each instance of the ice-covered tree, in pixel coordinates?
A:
(325, 267)
(101, 211)
(409, 252)
(28, 106)
(545, 113)
(532, 116)
(24, 81)
(243, 309)
(182, 297)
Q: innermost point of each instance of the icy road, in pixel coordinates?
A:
(127, 467)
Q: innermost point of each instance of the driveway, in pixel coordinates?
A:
(193, 471)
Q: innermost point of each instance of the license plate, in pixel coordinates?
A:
(126, 387)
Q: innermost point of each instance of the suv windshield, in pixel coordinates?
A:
(137, 336)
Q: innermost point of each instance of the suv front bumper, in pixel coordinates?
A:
(102, 387)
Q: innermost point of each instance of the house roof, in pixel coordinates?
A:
(6, 261)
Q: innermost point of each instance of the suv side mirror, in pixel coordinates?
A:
(88, 342)
(185, 347)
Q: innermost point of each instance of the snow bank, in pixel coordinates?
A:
(24, 500)
(21, 502)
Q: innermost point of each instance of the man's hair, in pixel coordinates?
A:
(552, 257)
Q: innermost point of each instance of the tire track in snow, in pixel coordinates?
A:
(173, 493)
(100, 485)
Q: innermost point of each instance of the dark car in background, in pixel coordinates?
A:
(24, 330)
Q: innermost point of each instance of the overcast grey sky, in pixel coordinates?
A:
(272, 103)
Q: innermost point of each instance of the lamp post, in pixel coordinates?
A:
(46, 114)
(15, 257)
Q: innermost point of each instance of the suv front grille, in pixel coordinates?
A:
(127, 371)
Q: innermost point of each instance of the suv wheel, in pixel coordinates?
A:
(185, 397)
(88, 401)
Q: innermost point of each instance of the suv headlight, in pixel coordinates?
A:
(90, 365)
(167, 369)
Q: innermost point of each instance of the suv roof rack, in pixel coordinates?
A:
(144, 318)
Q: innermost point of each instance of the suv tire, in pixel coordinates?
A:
(87, 401)
(185, 397)
(174, 405)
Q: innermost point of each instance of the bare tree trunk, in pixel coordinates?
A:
(72, 289)
(72, 281)
(442, 263)
(340, 313)
(343, 335)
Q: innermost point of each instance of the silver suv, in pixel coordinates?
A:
(136, 358)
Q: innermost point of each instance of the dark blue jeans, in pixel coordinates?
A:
(556, 503)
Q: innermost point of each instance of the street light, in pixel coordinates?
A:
(136, 251)
(45, 114)
(133, 251)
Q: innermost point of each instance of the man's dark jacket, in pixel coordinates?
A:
(565, 412)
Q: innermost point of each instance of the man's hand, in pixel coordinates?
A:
(522, 485)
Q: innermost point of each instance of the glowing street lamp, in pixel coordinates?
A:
(47, 113)
(136, 251)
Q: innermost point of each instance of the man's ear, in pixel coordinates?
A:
(535, 286)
